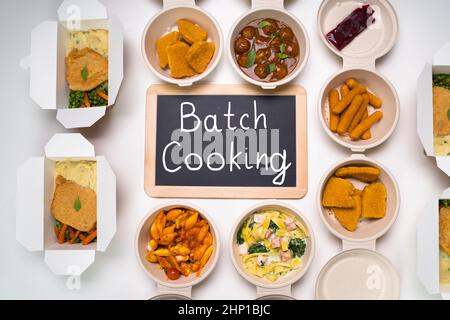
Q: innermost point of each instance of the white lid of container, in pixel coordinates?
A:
(358, 274)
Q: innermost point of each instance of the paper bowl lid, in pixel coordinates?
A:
(372, 43)
(358, 274)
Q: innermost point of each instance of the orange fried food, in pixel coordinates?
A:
(199, 55)
(74, 205)
(191, 32)
(365, 174)
(441, 104)
(85, 69)
(374, 201)
(338, 193)
(349, 217)
(444, 229)
(162, 44)
(179, 67)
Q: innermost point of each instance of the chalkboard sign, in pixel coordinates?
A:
(226, 141)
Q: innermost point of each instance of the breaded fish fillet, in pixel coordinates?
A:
(374, 201)
(441, 105)
(338, 193)
(85, 69)
(365, 174)
(444, 229)
(70, 196)
(349, 217)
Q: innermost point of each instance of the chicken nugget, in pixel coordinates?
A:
(162, 44)
(365, 174)
(349, 217)
(338, 193)
(176, 54)
(444, 229)
(191, 32)
(199, 55)
(374, 201)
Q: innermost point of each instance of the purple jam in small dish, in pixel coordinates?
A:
(349, 28)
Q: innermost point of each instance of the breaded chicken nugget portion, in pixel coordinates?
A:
(338, 193)
(374, 201)
(176, 54)
(162, 44)
(82, 216)
(85, 69)
(349, 217)
(444, 229)
(365, 174)
(191, 32)
(199, 55)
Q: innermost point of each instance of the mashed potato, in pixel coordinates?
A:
(444, 273)
(96, 40)
(82, 172)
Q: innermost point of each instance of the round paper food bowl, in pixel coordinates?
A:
(372, 43)
(280, 15)
(290, 277)
(153, 270)
(368, 230)
(166, 21)
(376, 84)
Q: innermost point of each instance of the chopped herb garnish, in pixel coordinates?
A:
(251, 58)
(281, 55)
(84, 73)
(77, 204)
(270, 68)
(264, 23)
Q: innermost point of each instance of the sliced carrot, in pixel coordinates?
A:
(77, 233)
(62, 233)
(82, 236)
(102, 95)
(86, 100)
(91, 236)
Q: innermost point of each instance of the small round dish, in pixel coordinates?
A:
(275, 11)
(170, 297)
(368, 230)
(375, 83)
(372, 43)
(153, 270)
(372, 277)
(291, 277)
(275, 297)
(164, 22)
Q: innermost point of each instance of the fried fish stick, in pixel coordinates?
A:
(366, 135)
(374, 101)
(333, 99)
(366, 124)
(348, 115)
(344, 90)
(359, 115)
(365, 174)
(345, 102)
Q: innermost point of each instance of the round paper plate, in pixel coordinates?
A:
(358, 274)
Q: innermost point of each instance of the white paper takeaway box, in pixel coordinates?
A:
(48, 86)
(428, 247)
(34, 221)
(440, 64)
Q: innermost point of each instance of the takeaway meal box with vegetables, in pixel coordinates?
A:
(433, 108)
(76, 64)
(66, 204)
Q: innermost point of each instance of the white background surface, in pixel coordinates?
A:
(25, 129)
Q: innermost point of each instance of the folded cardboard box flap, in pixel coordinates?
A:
(80, 117)
(69, 262)
(30, 204)
(69, 145)
(442, 57)
(76, 10)
(115, 59)
(425, 110)
(106, 204)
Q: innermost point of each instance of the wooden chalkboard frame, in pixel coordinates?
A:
(156, 191)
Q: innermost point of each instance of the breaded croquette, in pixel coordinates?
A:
(374, 201)
(349, 217)
(338, 193)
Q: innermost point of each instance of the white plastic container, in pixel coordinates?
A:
(34, 222)
(280, 289)
(181, 288)
(273, 9)
(48, 86)
(166, 21)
